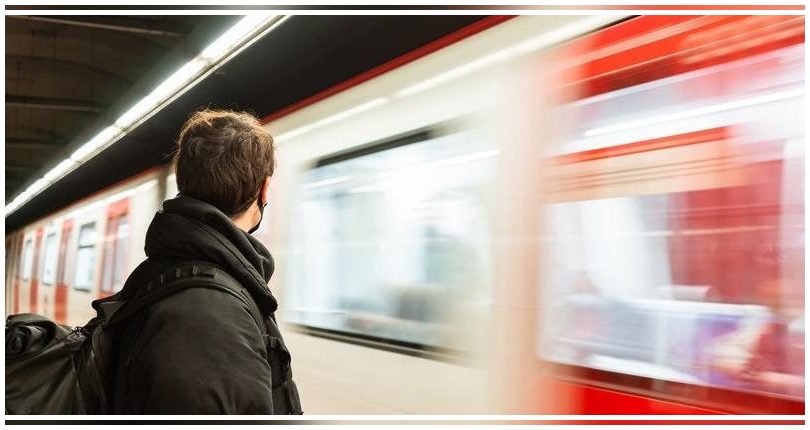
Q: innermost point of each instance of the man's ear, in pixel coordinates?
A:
(265, 187)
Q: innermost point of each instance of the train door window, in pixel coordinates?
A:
(10, 244)
(50, 259)
(107, 255)
(67, 230)
(28, 259)
(116, 244)
(12, 272)
(85, 258)
(9, 259)
(121, 245)
(390, 234)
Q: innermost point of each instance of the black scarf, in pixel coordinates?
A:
(191, 229)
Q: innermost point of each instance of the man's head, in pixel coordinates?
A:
(226, 159)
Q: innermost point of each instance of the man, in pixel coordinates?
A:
(201, 350)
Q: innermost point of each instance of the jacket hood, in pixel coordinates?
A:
(191, 229)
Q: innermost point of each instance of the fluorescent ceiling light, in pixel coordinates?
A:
(166, 90)
(59, 170)
(37, 186)
(234, 36)
(239, 36)
(96, 142)
(138, 111)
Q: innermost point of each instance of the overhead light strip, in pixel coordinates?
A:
(241, 35)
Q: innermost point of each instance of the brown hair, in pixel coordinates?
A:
(222, 158)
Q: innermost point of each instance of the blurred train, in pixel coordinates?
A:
(550, 215)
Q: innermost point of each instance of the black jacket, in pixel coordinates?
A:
(199, 351)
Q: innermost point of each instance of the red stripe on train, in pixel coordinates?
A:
(701, 136)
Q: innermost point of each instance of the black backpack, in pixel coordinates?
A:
(58, 370)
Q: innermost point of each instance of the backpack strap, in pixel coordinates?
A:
(173, 279)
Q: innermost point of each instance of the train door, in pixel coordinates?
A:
(21, 290)
(50, 257)
(115, 248)
(20, 270)
(61, 289)
(667, 220)
(13, 251)
(10, 257)
(9, 270)
(34, 273)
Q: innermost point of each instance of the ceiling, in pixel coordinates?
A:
(63, 72)
(91, 74)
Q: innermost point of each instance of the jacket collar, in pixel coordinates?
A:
(191, 229)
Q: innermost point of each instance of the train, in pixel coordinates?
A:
(539, 215)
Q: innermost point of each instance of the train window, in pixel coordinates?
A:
(695, 289)
(28, 259)
(674, 238)
(49, 260)
(391, 242)
(85, 258)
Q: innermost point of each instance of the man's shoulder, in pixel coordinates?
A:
(152, 275)
(197, 297)
(202, 299)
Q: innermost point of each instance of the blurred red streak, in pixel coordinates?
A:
(691, 138)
